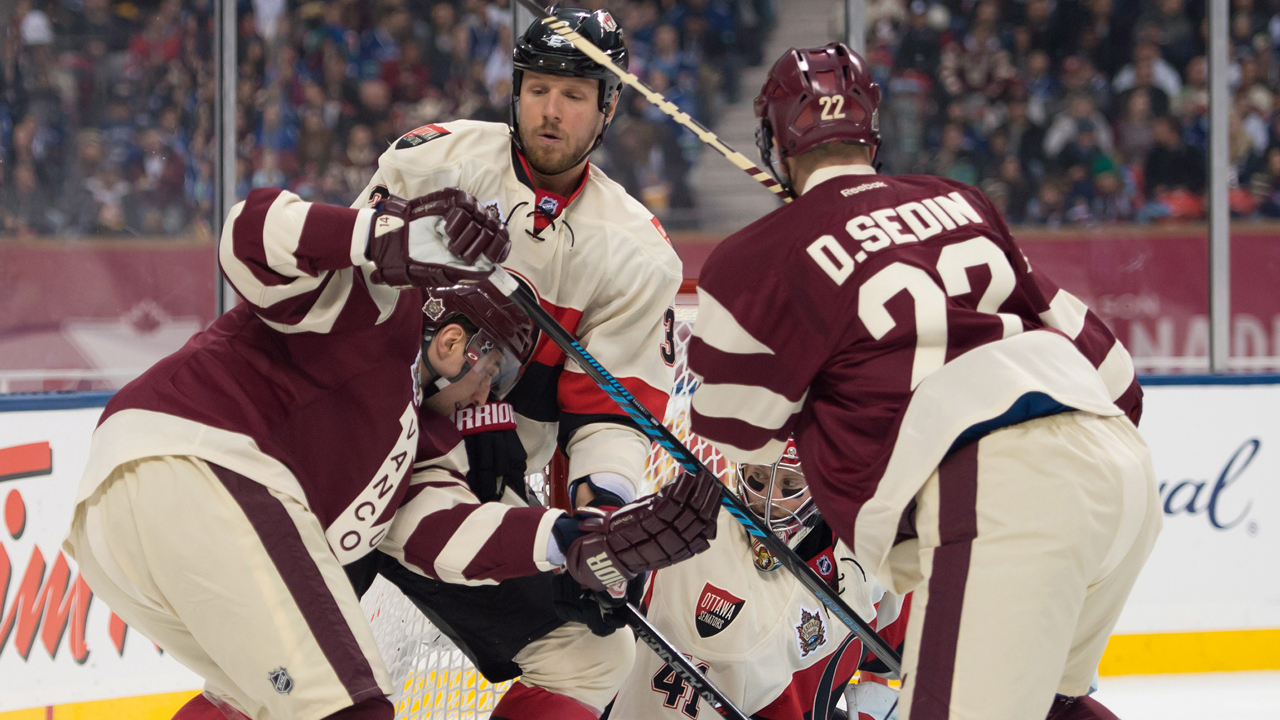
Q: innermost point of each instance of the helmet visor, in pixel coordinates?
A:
(491, 361)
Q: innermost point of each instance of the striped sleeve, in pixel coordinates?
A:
(749, 395)
(291, 260)
(1068, 315)
(444, 532)
(1096, 342)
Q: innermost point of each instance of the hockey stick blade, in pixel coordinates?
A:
(656, 431)
(589, 49)
(663, 648)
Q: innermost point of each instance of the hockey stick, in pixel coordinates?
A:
(588, 48)
(656, 431)
(663, 648)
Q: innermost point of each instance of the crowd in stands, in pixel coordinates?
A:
(1064, 112)
(1074, 112)
(107, 109)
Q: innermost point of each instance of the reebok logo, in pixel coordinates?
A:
(716, 609)
(862, 188)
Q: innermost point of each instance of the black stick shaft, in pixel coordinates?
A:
(663, 648)
(659, 433)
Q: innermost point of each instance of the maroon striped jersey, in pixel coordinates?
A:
(883, 320)
(309, 387)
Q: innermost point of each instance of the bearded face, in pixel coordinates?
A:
(559, 120)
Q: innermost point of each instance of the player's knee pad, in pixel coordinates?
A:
(1079, 708)
(527, 702)
(201, 707)
(378, 708)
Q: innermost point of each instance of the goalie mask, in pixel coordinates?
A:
(812, 97)
(779, 495)
(541, 49)
(502, 337)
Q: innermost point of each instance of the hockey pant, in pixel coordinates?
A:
(1029, 541)
(235, 581)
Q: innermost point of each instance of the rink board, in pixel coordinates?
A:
(1207, 601)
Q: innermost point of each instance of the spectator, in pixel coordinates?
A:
(1065, 126)
(1144, 82)
(381, 44)
(1021, 189)
(1112, 202)
(269, 174)
(360, 159)
(1194, 99)
(1041, 87)
(953, 160)
(1265, 185)
(315, 143)
(1164, 76)
(1173, 27)
(1049, 207)
(1171, 165)
(920, 48)
(107, 190)
(979, 65)
(1134, 133)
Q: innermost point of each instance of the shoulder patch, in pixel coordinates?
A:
(811, 633)
(660, 229)
(716, 610)
(424, 134)
(764, 560)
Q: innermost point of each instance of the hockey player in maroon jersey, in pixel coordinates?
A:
(964, 423)
(757, 633)
(228, 485)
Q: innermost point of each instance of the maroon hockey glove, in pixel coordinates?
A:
(660, 530)
(467, 230)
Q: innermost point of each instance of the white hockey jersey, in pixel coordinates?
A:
(598, 261)
(760, 636)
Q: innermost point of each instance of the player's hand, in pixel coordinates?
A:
(574, 603)
(435, 240)
(495, 455)
(610, 548)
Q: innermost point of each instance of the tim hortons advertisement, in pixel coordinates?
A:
(1217, 457)
(58, 643)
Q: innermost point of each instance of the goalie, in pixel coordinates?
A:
(756, 632)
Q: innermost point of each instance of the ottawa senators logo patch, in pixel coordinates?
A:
(811, 633)
(424, 134)
(716, 610)
(764, 560)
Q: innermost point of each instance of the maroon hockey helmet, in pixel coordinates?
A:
(816, 96)
(504, 340)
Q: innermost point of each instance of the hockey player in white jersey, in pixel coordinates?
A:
(601, 264)
(756, 632)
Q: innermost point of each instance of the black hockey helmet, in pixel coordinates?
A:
(540, 49)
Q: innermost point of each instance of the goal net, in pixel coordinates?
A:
(431, 678)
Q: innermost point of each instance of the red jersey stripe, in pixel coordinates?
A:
(580, 394)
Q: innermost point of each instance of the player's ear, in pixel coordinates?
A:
(447, 350)
(613, 106)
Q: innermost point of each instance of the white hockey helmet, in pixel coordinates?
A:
(779, 495)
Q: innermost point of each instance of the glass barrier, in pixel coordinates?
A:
(106, 205)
